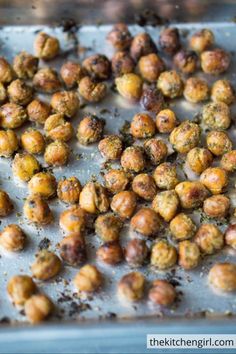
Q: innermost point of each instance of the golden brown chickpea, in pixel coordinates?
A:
(185, 137)
(166, 121)
(209, 239)
(12, 116)
(201, 40)
(116, 180)
(108, 227)
(162, 293)
(25, 65)
(156, 150)
(215, 179)
(228, 161)
(216, 115)
(133, 159)
(57, 153)
(215, 61)
(93, 198)
(73, 249)
(199, 159)
(65, 102)
(169, 40)
(152, 99)
(222, 91)
(43, 184)
(57, 128)
(189, 254)
(142, 126)
(196, 90)
(182, 227)
(71, 73)
(131, 286)
(165, 176)
(150, 66)
(90, 130)
(120, 36)
(6, 72)
(124, 203)
(88, 279)
(163, 255)
(73, 220)
(46, 80)
(129, 86)
(166, 204)
(8, 143)
(170, 84)
(111, 147)
(38, 111)
(223, 276)
(110, 253)
(37, 308)
(91, 90)
(146, 222)
(6, 205)
(97, 66)
(20, 288)
(218, 142)
(19, 92)
(3, 93)
(136, 252)
(216, 206)
(24, 166)
(230, 236)
(144, 186)
(142, 44)
(37, 210)
(68, 190)
(47, 265)
(46, 47)
(33, 141)
(12, 238)
(186, 61)
(191, 194)
(121, 64)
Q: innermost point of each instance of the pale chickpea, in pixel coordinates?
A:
(124, 204)
(162, 293)
(165, 176)
(24, 166)
(144, 186)
(32, 141)
(90, 130)
(108, 227)
(38, 111)
(93, 198)
(228, 161)
(182, 227)
(8, 143)
(185, 137)
(25, 65)
(88, 279)
(57, 153)
(68, 190)
(191, 194)
(218, 142)
(116, 180)
(223, 276)
(199, 159)
(166, 204)
(146, 222)
(6, 72)
(129, 86)
(216, 115)
(133, 159)
(20, 288)
(43, 184)
(216, 206)
(223, 91)
(36, 210)
(156, 150)
(73, 249)
(73, 220)
(91, 90)
(163, 255)
(196, 90)
(142, 44)
(170, 84)
(110, 253)
(209, 239)
(97, 66)
(120, 36)
(19, 92)
(166, 121)
(230, 236)
(189, 254)
(46, 265)
(57, 128)
(71, 73)
(12, 238)
(215, 61)
(65, 102)
(6, 205)
(46, 47)
(131, 286)
(201, 40)
(111, 147)
(186, 61)
(12, 116)
(150, 66)
(37, 308)
(136, 252)
(46, 80)
(215, 179)
(142, 126)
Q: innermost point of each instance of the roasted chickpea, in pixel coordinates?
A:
(36, 210)
(46, 47)
(91, 90)
(20, 288)
(38, 111)
(110, 253)
(116, 180)
(129, 86)
(24, 166)
(90, 130)
(131, 286)
(57, 128)
(73, 249)
(216, 115)
(156, 150)
(136, 252)
(230, 236)
(57, 153)
(146, 222)
(6, 72)
(19, 92)
(37, 308)
(144, 186)
(216, 206)
(215, 179)
(185, 137)
(228, 161)
(43, 184)
(169, 40)
(150, 66)
(191, 194)
(12, 116)
(166, 121)
(71, 73)
(108, 227)
(33, 141)
(189, 255)
(170, 84)
(166, 204)
(88, 279)
(46, 265)
(165, 176)
(97, 66)
(209, 239)
(124, 203)
(142, 126)
(163, 255)
(12, 238)
(46, 80)
(111, 147)
(3, 93)
(215, 61)
(8, 143)
(25, 65)
(199, 159)
(6, 205)
(201, 40)
(152, 100)
(133, 159)
(121, 64)
(65, 102)
(218, 142)
(68, 190)
(222, 91)
(182, 227)
(223, 276)
(162, 293)
(93, 198)
(73, 220)
(142, 44)
(196, 90)
(120, 36)
(186, 61)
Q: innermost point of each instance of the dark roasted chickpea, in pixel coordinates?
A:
(166, 121)
(3, 93)
(71, 73)
(46, 47)
(73, 249)
(12, 116)
(166, 204)
(37, 308)
(169, 40)
(156, 150)
(8, 143)
(124, 203)
(162, 293)
(185, 137)
(68, 190)
(142, 44)
(209, 239)
(230, 236)
(88, 279)
(43, 184)
(91, 90)
(228, 161)
(36, 210)
(25, 65)
(65, 102)
(223, 276)
(46, 80)
(142, 126)
(24, 166)
(12, 238)
(216, 206)
(201, 40)
(218, 142)
(215, 61)
(163, 255)
(189, 254)
(33, 141)
(152, 100)
(93, 198)
(38, 111)
(170, 84)
(108, 227)
(57, 153)
(129, 86)
(165, 176)
(182, 227)
(133, 159)
(73, 220)
(111, 147)
(216, 115)
(144, 186)
(57, 128)
(90, 130)
(136, 252)
(199, 159)
(186, 61)
(116, 180)
(120, 36)
(110, 253)
(146, 222)
(215, 179)
(222, 91)
(46, 265)
(97, 66)
(6, 205)
(150, 66)
(191, 194)
(6, 72)
(121, 64)
(196, 90)
(20, 288)
(131, 286)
